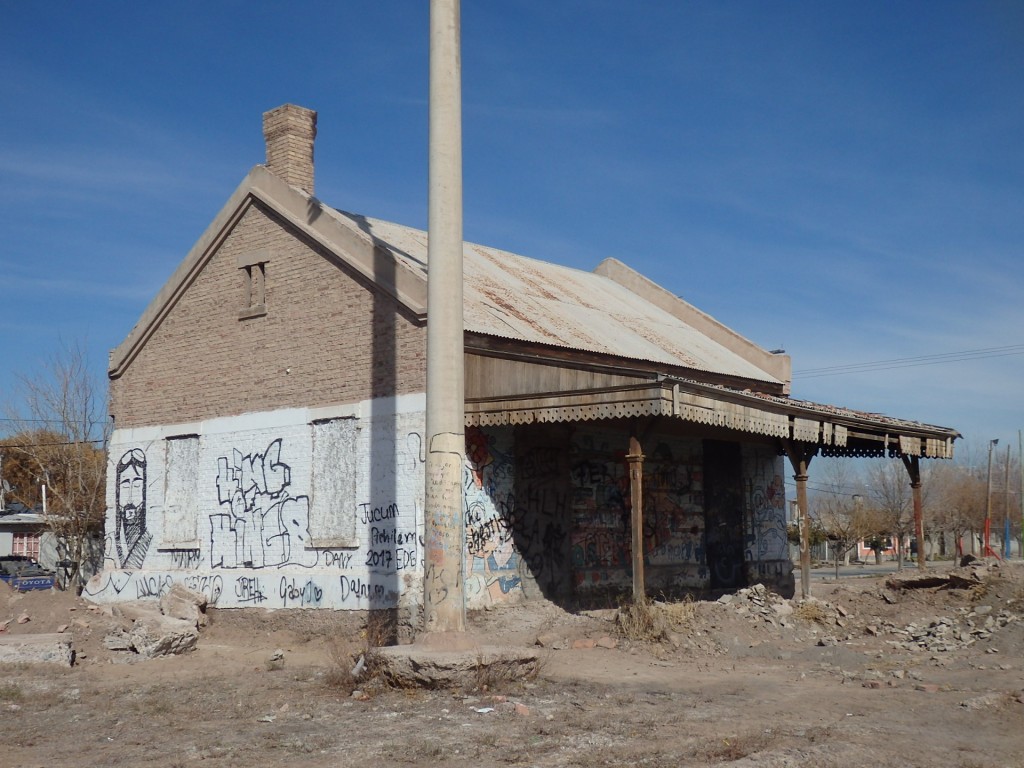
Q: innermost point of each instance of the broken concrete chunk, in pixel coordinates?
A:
(37, 649)
(180, 602)
(118, 641)
(413, 666)
(552, 640)
(163, 636)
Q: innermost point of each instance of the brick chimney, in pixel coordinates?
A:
(289, 132)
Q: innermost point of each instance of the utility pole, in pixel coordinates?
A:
(986, 547)
(444, 604)
(1006, 508)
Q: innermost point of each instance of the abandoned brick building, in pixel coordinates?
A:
(269, 410)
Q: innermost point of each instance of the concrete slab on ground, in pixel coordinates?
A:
(49, 648)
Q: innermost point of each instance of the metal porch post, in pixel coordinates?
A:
(635, 458)
(913, 465)
(800, 459)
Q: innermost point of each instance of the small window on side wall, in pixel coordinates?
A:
(252, 267)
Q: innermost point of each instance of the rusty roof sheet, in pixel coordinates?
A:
(516, 297)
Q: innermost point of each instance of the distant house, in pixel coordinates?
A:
(21, 532)
(269, 419)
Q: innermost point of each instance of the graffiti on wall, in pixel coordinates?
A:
(673, 512)
(257, 510)
(492, 563)
(263, 520)
(131, 536)
(766, 536)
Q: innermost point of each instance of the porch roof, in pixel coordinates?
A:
(835, 431)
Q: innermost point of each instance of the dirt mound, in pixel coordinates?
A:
(932, 668)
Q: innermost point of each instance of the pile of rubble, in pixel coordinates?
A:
(169, 628)
(946, 634)
(759, 602)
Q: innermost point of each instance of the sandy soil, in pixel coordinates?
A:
(865, 675)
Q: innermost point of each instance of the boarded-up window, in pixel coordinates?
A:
(181, 493)
(332, 512)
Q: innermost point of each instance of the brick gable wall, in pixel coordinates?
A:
(327, 337)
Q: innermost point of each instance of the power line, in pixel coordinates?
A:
(911, 362)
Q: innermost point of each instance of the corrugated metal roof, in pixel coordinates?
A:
(516, 297)
(875, 420)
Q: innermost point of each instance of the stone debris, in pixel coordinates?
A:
(985, 701)
(180, 602)
(152, 634)
(552, 640)
(412, 666)
(945, 633)
(160, 635)
(37, 649)
(118, 641)
(168, 628)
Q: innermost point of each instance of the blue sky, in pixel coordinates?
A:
(842, 180)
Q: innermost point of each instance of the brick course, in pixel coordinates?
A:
(327, 337)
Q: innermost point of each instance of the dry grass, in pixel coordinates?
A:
(502, 673)
(811, 611)
(732, 748)
(679, 615)
(356, 663)
(650, 622)
(642, 622)
(10, 692)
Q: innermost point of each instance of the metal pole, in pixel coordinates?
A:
(1006, 508)
(636, 497)
(1020, 461)
(913, 465)
(443, 589)
(805, 532)
(986, 548)
(800, 460)
(805, 538)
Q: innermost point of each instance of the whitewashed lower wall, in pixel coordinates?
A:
(236, 525)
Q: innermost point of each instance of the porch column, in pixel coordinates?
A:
(800, 458)
(635, 458)
(913, 465)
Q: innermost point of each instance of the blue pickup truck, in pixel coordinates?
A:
(24, 573)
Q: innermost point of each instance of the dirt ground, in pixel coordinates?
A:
(866, 674)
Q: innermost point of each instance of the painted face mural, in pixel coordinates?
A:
(131, 537)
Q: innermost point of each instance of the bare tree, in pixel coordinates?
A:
(838, 510)
(893, 502)
(959, 502)
(61, 439)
